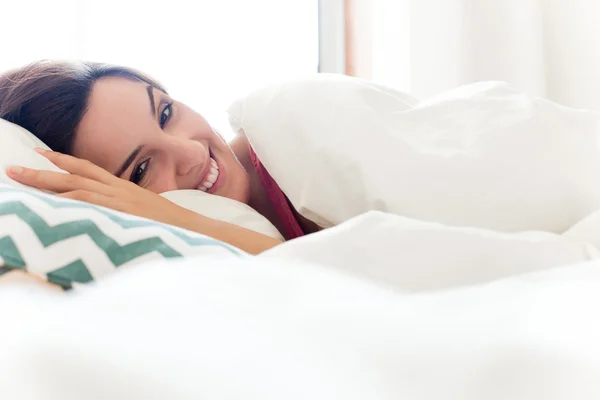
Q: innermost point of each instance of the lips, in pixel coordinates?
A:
(210, 177)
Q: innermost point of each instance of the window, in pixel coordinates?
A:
(205, 52)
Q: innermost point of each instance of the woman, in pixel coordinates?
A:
(125, 140)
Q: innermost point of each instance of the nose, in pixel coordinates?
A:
(187, 156)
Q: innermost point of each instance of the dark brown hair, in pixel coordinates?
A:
(49, 98)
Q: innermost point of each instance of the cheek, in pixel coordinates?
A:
(159, 188)
(161, 180)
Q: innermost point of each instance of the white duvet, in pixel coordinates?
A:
(484, 155)
(267, 328)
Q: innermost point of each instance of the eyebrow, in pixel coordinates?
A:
(150, 91)
(129, 160)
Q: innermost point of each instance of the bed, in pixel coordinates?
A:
(450, 302)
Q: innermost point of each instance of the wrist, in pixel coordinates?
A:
(245, 239)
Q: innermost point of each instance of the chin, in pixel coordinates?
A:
(243, 195)
(238, 190)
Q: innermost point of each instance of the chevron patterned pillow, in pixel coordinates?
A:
(68, 242)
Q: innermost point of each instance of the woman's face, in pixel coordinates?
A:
(140, 134)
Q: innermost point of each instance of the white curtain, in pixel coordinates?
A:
(205, 52)
(549, 48)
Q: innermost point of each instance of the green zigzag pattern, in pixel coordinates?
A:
(10, 252)
(123, 223)
(76, 271)
(50, 235)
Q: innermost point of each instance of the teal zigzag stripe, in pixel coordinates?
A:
(76, 271)
(124, 223)
(118, 254)
(73, 272)
(11, 253)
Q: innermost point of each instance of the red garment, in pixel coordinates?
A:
(278, 199)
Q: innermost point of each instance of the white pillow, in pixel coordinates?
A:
(16, 148)
(223, 209)
(484, 155)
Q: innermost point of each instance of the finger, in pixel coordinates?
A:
(94, 198)
(80, 167)
(56, 181)
(86, 196)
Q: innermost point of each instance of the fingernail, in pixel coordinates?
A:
(41, 151)
(15, 170)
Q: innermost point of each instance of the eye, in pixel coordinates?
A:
(165, 115)
(139, 172)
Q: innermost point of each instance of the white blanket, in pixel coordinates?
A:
(478, 183)
(483, 155)
(410, 256)
(266, 328)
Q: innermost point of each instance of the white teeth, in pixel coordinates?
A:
(211, 177)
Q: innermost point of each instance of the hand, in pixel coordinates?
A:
(92, 184)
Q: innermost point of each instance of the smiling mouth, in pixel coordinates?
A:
(211, 176)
